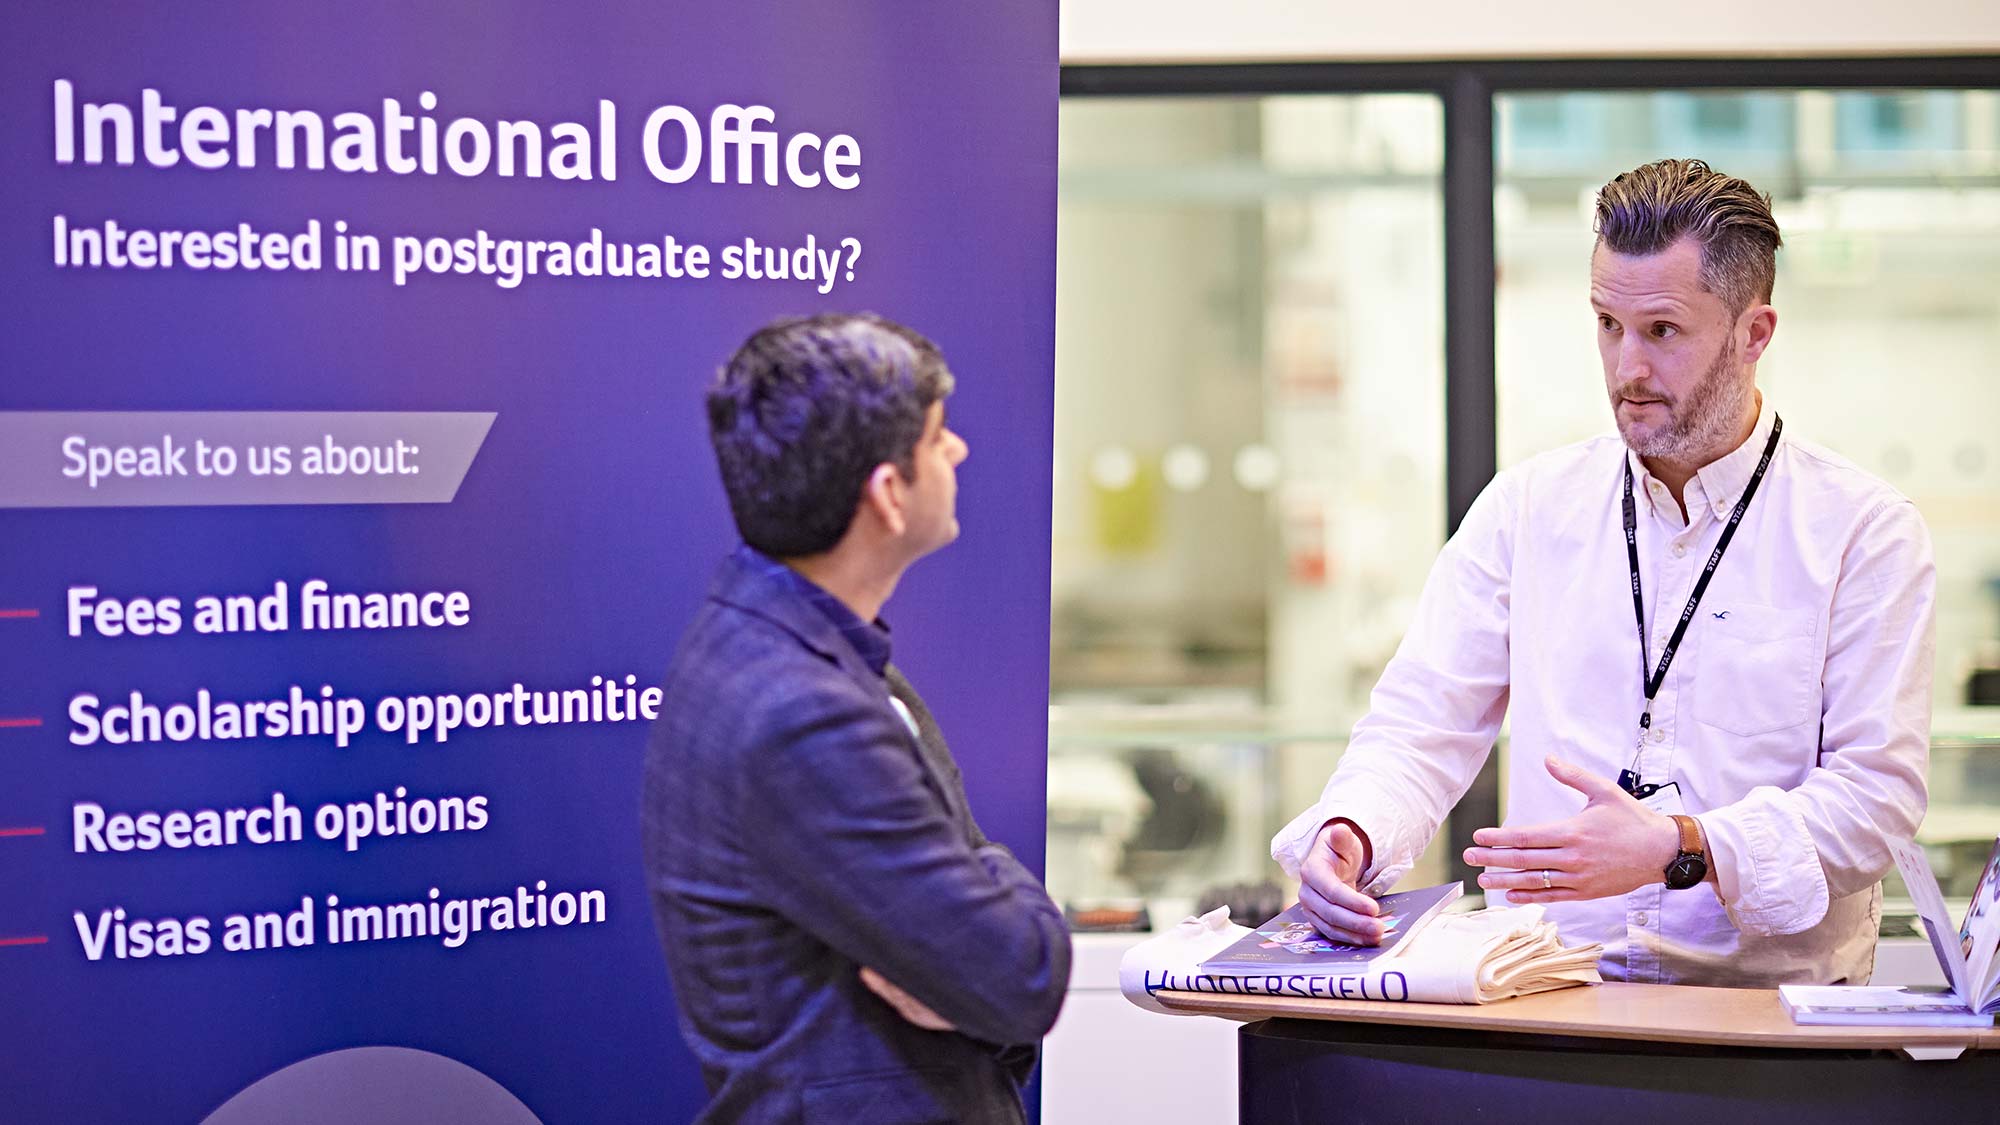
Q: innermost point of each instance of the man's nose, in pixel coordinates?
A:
(1631, 359)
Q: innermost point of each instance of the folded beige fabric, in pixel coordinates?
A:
(1471, 958)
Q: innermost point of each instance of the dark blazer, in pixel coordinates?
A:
(796, 831)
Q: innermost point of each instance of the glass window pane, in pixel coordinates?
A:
(1249, 465)
(1889, 322)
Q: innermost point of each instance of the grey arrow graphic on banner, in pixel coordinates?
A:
(145, 459)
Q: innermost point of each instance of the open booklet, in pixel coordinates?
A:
(1289, 943)
(1429, 957)
(1970, 957)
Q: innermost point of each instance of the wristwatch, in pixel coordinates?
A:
(1689, 867)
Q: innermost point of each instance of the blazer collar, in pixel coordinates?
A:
(744, 584)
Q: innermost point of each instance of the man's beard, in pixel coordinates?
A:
(1701, 426)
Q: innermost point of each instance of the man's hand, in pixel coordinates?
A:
(1327, 878)
(1613, 846)
(909, 1007)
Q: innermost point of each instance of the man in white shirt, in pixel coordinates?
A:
(1785, 742)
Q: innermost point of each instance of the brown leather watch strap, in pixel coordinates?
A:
(1690, 834)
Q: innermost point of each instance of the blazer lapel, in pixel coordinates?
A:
(747, 588)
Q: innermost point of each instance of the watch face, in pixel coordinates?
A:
(1686, 871)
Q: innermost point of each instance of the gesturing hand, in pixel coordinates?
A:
(909, 1007)
(1333, 865)
(1613, 846)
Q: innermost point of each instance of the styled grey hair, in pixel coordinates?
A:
(1648, 209)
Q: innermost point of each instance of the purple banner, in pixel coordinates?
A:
(329, 749)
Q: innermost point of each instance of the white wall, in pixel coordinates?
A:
(1135, 31)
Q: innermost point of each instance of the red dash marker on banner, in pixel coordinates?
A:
(4, 723)
(9, 614)
(38, 939)
(22, 831)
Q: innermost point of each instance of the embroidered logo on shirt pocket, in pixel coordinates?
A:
(1757, 670)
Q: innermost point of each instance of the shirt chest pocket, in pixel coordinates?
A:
(1757, 670)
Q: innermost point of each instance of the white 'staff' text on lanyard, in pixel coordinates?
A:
(1629, 779)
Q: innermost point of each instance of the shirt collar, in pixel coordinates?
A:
(870, 639)
(1722, 480)
(1725, 478)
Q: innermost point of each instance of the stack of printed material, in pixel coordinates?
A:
(1426, 957)
(1970, 959)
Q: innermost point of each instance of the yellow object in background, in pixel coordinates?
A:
(1124, 504)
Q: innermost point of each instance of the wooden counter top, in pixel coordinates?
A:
(1740, 1017)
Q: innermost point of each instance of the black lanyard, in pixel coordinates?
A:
(1629, 780)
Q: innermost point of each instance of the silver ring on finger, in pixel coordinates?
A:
(1547, 882)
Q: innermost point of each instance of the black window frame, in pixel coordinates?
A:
(1467, 89)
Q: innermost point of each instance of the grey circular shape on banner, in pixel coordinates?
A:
(377, 1085)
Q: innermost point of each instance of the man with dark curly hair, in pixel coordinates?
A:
(844, 942)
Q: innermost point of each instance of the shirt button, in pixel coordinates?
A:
(1680, 551)
(1640, 918)
(1659, 736)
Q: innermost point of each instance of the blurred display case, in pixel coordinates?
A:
(1164, 806)
(1248, 487)
(1964, 818)
(1171, 807)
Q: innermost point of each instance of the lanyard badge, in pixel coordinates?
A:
(1628, 779)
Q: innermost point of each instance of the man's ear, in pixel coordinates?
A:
(1761, 325)
(883, 495)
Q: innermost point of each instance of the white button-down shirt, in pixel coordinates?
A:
(1795, 717)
